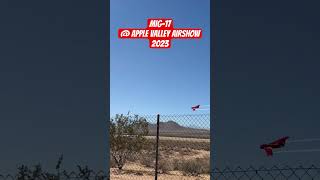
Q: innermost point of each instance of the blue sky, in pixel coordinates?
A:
(165, 81)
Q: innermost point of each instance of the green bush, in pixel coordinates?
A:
(127, 137)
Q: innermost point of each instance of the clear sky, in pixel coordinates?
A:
(165, 81)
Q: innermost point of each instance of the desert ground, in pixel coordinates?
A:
(180, 159)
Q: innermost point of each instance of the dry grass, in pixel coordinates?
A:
(136, 171)
(165, 166)
(147, 159)
(112, 162)
(177, 145)
(179, 159)
(195, 167)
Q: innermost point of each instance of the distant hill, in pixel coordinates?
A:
(173, 129)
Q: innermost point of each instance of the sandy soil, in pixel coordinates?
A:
(160, 177)
(135, 171)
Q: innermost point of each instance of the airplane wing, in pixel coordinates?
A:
(268, 151)
(280, 141)
(195, 107)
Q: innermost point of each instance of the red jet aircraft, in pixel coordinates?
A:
(195, 107)
(276, 144)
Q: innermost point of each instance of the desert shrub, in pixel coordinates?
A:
(127, 137)
(149, 145)
(24, 172)
(112, 163)
(133, 157)
(190, 167)
(194, 167)
(175, 145)
(205, 164)
(185, 151)
(165, 166)
(37, 173)
(177, 163)
(148, 161)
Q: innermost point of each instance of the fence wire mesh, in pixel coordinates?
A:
(184, 147)
(39, 175)
(132, 153)
(311, 172)
(183, 152)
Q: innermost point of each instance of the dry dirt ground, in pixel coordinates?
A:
(135, 170)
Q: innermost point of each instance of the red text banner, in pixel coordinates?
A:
(160, 32)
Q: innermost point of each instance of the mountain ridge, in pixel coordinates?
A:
(173, 129)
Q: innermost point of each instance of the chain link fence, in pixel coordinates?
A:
(180, 151)
(177, 147)
(166, 147)
(37, 175)
(311, 172)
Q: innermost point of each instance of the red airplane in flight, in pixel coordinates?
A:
(195, 107)
(276, 144)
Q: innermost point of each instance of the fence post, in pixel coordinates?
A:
(157, 148)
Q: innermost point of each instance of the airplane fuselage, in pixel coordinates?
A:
(273, 146)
